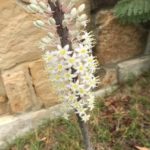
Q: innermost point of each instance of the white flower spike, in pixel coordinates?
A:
(70, 67)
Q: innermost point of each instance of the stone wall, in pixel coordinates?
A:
(24, 84)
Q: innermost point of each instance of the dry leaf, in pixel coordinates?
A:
(142, 148)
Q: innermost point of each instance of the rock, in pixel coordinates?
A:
(12, 127)
(3, 108)
(117, 42)
(43, 88)
(133, 67)
(2, 99)
(105, 91)
(19, 38)
(2, 89)
(147, 49)
(98, 4)
(108, 76)
(19, 91)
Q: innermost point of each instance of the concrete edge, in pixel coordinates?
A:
(12, 127)
(133, 68)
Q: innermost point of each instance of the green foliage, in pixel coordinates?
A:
(133, 11)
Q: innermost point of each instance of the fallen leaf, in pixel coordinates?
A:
(142, 148)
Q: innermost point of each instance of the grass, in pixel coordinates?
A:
(119, 122)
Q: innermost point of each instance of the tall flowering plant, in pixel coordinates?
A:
(67, 52)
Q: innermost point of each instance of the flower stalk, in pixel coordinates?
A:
(70, 65)
(63, 33)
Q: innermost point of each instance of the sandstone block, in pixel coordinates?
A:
(98, 4)
(3, 108)
(19, 38)
(117, 42)
(18, 90)
(3, 99)
(43, 87)
(2, 89)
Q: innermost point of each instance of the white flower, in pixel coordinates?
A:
(74, 86)
(82, 51)
(82, 91)
(91, 106)
(85, 117)
(76, 105)
(88, 40)
(91, 63)
(70, 68)
(72, 60)
(66, 116)
(80, 68)
(71, 98)
(69, 76)
(64, 52)
(90, 101)
(81, 111)
(59, 67)
(93, 82)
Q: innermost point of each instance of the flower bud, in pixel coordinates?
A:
(43, 5)
(51, 21)
(83, 17)
(73, 12)
(49, 9)
(81, 8)
(46, 40)
(39, 23)
(33, 1)
(50, 35)
(33, 7)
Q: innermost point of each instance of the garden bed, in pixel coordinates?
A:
(119, 122)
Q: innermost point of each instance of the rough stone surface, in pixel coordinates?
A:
(117, 42)
(12, 127)
(108, 76)
(3, 108)
(19, 92)
(105, 91)
(19, 38)
(2, 99)
(42, 86)
(2, 89)
(133, 67)
(98, 4)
